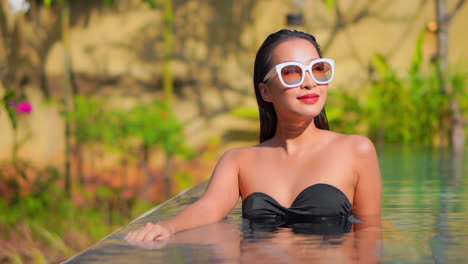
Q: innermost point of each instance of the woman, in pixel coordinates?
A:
(300, 171)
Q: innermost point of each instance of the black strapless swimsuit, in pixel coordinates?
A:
(319, 208)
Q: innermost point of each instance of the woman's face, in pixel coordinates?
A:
(306, 100)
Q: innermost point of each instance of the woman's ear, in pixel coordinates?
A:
(264, 92)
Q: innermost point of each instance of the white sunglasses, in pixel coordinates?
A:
(292, 74)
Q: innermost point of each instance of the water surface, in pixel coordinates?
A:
(424, 220)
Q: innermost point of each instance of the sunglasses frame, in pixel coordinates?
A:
(277, 69)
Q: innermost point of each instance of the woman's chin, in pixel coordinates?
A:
(310, 112)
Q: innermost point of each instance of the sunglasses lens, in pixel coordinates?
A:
(291, 74)
(322, 71)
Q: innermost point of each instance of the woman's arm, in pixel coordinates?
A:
(368, 189)
(367, 202)
(218, 200)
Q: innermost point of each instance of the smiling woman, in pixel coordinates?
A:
(307, 173)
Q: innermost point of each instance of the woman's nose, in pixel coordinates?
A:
(309, 82)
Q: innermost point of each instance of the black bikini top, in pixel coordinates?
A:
(317, 203)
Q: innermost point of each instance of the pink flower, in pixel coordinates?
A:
(24, 108)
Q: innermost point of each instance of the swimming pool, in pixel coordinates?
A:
(424, 220)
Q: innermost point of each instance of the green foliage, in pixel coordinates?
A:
(12, 116)
(154, 125)
(51, 238)
(152, 3)
(397, 108)
(88, 118)
(246, 112)
(405, 109)
(42, 224)
(184, 179)
(150, 125)
(344, 112)
(330, 4)
(459, 82)
(415, 67)
(42, 190)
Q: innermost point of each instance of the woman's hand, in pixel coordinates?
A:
(150, 232)
(218, 200)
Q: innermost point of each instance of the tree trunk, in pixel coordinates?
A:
(79, 159)
(168, 83)
(167, 175)
(145, 150)
(457, 133)
(68, 100)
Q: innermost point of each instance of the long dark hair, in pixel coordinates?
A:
(263, 63)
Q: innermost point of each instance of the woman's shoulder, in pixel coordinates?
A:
(244, 156)
(237, 152)
(357, 144)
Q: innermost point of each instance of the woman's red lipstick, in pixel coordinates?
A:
(309, 98)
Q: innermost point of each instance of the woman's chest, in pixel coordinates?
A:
(284, 178)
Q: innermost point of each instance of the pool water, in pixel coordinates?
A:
(425, 207)
(424, 220)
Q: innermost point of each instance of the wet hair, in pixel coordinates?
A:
(263, 63)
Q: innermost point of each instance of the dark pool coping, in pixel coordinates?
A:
(163, 211)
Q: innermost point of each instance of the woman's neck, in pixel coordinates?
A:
(295, 135)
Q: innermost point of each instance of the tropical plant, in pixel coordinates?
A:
(142, 129)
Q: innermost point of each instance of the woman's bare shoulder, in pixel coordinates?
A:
(357, 144)
(238, 153)
(361, 145)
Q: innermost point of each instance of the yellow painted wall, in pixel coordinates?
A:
(98, 49)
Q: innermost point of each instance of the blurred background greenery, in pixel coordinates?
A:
(109, 107)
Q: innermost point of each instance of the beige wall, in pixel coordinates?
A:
(98, 49)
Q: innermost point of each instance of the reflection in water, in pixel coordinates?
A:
(439, 243)
(316, 227)
(247, 242)
(425, 205)
(319, 242)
